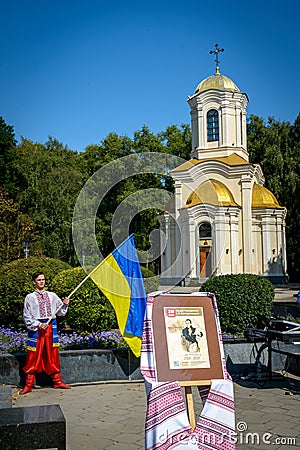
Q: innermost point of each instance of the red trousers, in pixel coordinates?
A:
(46, 357)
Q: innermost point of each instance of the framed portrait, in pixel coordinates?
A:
(185, 338)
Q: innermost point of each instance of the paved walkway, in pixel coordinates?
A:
(287, 292)
(111, 415)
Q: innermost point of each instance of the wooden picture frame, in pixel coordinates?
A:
(175, 359)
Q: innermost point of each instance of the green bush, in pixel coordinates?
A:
(89, 311)
(244, 300)
(151, 281)
(16, 283)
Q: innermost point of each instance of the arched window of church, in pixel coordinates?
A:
(205, 230)
(212, 125)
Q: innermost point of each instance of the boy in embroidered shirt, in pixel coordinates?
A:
(42, 345)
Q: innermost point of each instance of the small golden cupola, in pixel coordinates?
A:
(263, 198)
(217, 81)
(211, 192)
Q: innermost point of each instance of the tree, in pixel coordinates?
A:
(110, 149)
(294, 212)
(275, 146)
(7, 142)
(114, 148)
(178, 141)
(14, 228)
(46, 182)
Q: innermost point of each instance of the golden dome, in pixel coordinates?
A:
(217, 81)
(263, 198)
(211, 192)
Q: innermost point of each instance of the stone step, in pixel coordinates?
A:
(32, 427)
(5, 396)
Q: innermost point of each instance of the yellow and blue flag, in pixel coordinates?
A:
(120, 279)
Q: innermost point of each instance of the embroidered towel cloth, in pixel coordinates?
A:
(167, 425)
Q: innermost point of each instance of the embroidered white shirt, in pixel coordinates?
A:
(32, 313)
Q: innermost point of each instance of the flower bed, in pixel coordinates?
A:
(12, 340)
(105, 356)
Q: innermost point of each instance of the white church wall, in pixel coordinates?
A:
(226, 254)
(234, 234)
(275, 258)
(234, 185)
(257, 245)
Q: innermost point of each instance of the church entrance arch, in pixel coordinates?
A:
(205, 249)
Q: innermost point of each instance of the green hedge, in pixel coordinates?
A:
(244, 300)
(16, 283)
(89, 311)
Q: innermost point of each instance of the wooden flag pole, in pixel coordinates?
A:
(73, 292)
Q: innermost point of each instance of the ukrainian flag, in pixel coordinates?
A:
(120, 279)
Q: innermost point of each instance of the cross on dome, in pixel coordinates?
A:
(216, 52)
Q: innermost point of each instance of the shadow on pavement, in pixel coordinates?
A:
(287, 382)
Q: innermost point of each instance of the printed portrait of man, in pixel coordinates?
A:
(190, 337)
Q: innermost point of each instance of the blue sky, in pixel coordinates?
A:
(79, 69)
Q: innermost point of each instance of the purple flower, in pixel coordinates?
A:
(12, 340)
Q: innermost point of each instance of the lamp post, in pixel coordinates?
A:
(26, 245)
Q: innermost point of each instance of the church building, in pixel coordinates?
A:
(222, 219)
